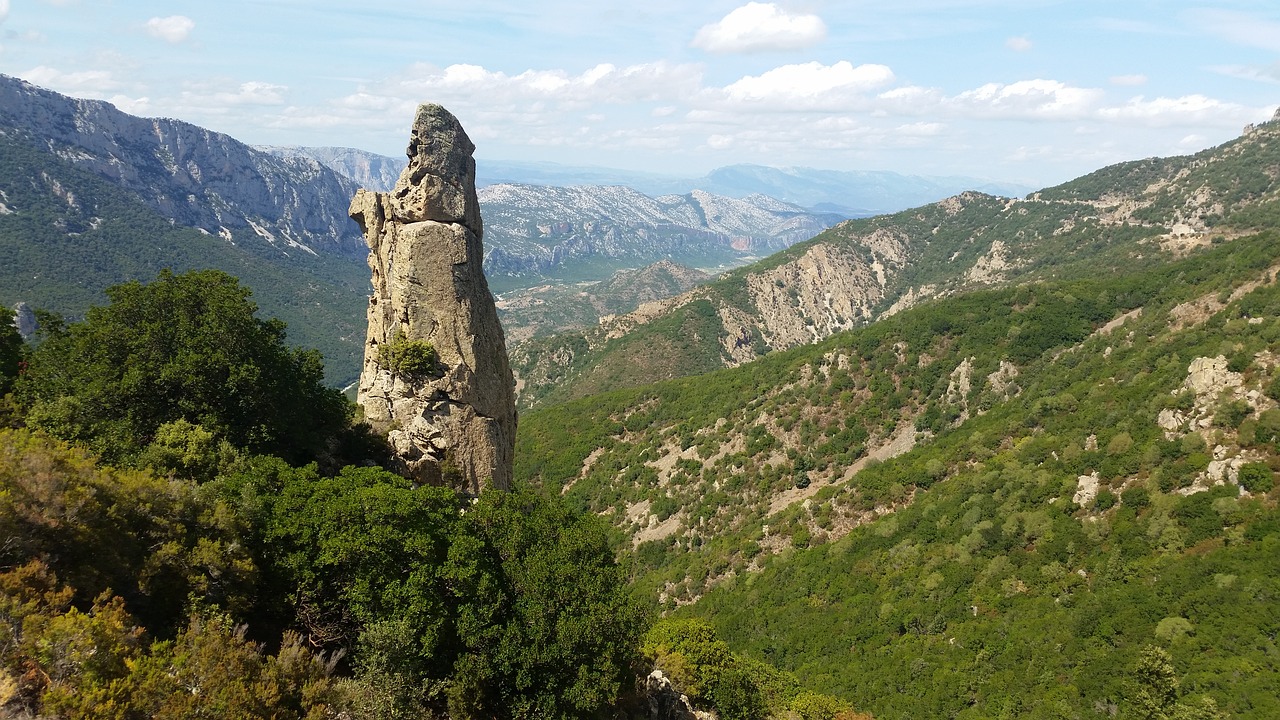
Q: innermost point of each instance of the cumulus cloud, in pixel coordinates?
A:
(4, 10)
(1019, 44)
(604, 83)
(1046, 99)
(756, 27)
(810, 84)
(1188, 109)
(1129, 80)
(172, 29)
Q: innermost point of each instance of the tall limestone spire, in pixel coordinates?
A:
(436, 376)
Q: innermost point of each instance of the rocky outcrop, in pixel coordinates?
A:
(668, 703)
(450, 415)
(24, 318)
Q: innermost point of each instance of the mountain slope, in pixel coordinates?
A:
(545, 309)
(1127, 217)
(540, 230)
(199, 178)
(67, 234)
(984, 506)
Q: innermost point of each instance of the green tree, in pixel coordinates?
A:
(1154, 691)
(10, 350)
(185, 347)
(509, 607)
(547, 626)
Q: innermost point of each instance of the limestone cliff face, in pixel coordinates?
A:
(454, 423)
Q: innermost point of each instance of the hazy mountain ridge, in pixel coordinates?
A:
(1128, 216)
(538, 229)
(200, 178)
(852, 193)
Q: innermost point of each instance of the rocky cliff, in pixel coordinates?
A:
(436, 375)
(198, 178)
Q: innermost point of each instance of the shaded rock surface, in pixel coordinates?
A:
(453, 424)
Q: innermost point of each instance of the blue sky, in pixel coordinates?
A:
(1036, 91)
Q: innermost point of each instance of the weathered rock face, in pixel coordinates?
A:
(455, 422)
(24, 318)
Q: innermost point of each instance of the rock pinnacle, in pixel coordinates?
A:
(436, 377)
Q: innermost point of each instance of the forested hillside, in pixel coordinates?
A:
(1118, 219)
(67, 235)
(193, 525)
(1012, 502)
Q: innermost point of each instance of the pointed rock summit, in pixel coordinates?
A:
(436, 377)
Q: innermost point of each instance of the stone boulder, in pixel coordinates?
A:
(451, 421)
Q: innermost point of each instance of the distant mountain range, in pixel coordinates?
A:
(849, 193)
(589, 232)
(1124, 217)
(91, 196)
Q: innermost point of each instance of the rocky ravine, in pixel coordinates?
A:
(451, 420)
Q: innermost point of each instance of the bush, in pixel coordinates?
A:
(1256, 477)
(1105, 500)
(1136, 497)
(407, 358)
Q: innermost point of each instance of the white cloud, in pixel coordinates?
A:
(86, 83)
(134, 106)
(172, 29)
(4, 10)
(1269, 73)
(810, 84)
(1019, 44)
(756, 27)
(1045, 99)
(253, 93)
(1188, 109)
(602, 83)
(1129, 80)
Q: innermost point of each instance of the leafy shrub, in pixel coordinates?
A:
(185, 347)
(407, 358)
(1256, 477)
(1136, 497)
(1105, 500)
